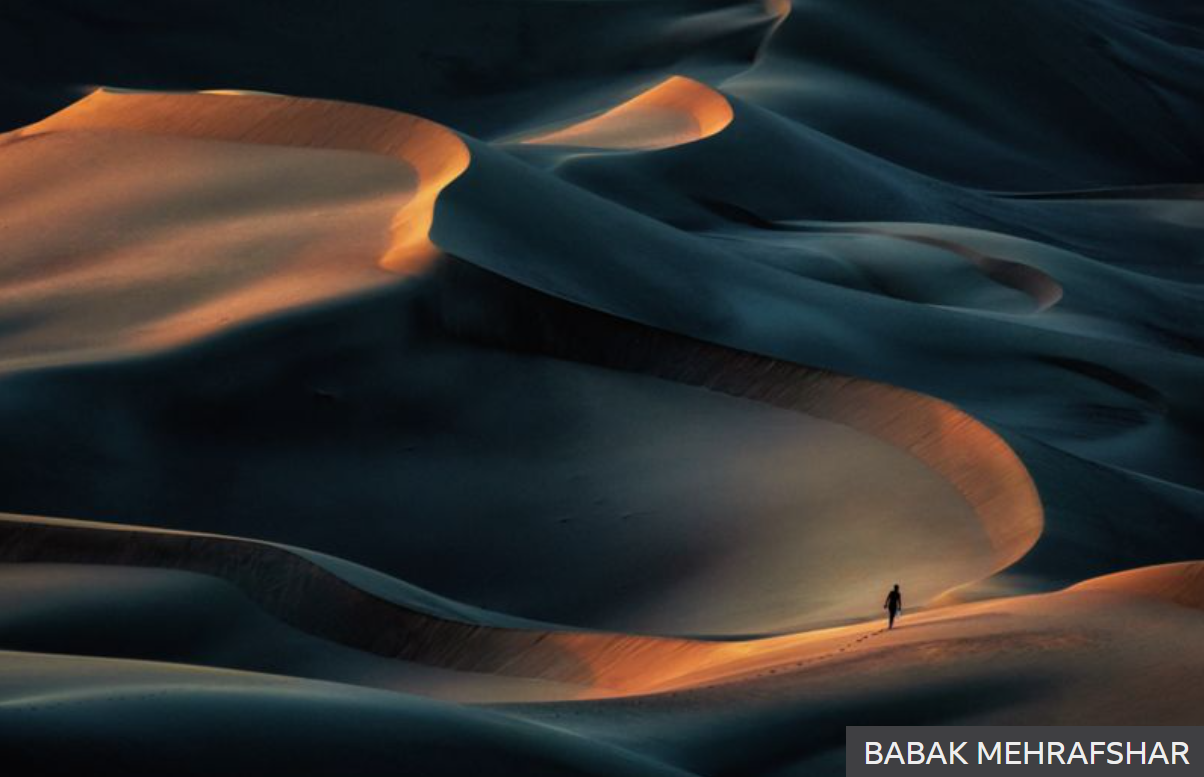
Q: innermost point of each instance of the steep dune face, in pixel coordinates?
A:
(676, 111)
(312, 598)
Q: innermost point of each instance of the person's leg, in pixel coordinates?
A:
(891, 624)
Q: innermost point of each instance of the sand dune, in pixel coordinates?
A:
(998, 122)
(676, 111)
(1179, 583)
(319, 219)
(941, 500)
(434, 154)
(577, 404)
(251, 722)
(1073, 634)
(483, 67)
(570, 664)
(1044, 290)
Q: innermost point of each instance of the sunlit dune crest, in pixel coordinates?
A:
(676, 111)
(979, 464)
(435, 153)
(976, 461)
(1181, 583)
(229, 207)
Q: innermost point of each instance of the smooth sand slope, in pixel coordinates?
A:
(136, 221)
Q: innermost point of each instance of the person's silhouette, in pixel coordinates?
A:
(894, 605)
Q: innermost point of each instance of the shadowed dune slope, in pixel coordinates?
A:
(223, 721)
(963, 91)
(489, 67)
(309, 597)
(161, 614)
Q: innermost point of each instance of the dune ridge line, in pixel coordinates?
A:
(435, 153)
(674, 112)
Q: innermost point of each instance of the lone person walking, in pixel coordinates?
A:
(894, 605)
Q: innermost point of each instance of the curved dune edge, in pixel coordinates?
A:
(779, 10)
(978, 463)
(1041, 287)
(435, 153)
(311, 598)
(677, 111)
(308, 596)
(1181, 583)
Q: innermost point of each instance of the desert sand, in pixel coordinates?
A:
(558, 388)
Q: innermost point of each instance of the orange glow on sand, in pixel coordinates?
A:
(435, 154)
(676, 111)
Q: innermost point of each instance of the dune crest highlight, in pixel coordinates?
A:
(436, 154)
(137, 221)
(676, 111)
(1181, 583)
